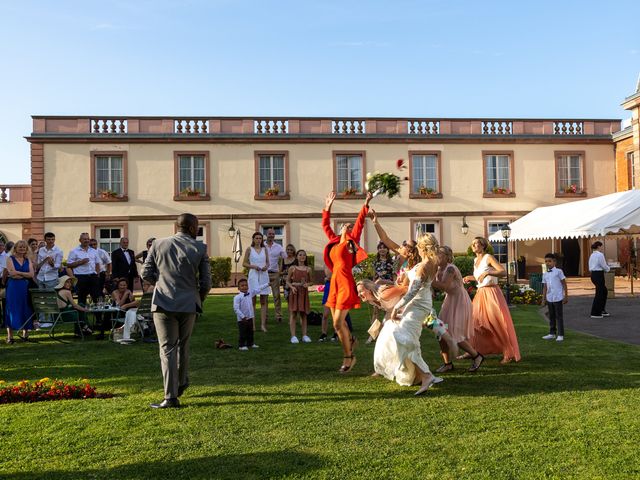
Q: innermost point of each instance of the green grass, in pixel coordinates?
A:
(283, 411)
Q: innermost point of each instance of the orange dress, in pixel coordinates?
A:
(342, 292)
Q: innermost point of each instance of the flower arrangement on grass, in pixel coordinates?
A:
(190, 192)
(524, 295)
(500, 190)
(47, 389)
(106, 193)
(273, 191)
(387, 183)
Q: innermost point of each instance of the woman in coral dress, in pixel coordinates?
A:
(456, 311)
(492, 324)
(341, 254)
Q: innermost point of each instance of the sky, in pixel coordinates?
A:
(395, 58)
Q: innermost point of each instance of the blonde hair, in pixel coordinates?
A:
(428, 249)
(19, 243)
(371, 286)
(446, 251)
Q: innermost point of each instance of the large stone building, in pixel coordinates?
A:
(131, 176)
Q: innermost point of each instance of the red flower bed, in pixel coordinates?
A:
(47, 389)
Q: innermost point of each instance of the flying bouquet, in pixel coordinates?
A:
(387, 183)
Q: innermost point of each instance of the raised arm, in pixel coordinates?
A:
(362, 216)
(384, 238)
(326, 216)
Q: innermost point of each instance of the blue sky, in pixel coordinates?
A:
(563, 59)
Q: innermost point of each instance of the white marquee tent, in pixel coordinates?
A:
(614, 214)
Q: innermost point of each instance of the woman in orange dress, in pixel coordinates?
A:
(341, 254)
(493, 331)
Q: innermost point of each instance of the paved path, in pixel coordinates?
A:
(624, 323)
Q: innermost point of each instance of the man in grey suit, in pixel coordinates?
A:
(178, 266)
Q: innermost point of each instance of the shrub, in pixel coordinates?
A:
(365, 268)
(220, 271)
(464, 264)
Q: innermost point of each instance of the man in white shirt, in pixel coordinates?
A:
(105, 265)
(597, 267)
(85, 263)
(276, 255)
(555, 295)
(48, 260)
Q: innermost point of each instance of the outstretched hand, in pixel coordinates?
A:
(328, 201)
(373, 216)
(368, 198)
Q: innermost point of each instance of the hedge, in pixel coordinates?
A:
(220, 271)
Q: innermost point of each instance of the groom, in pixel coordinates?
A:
(178, 266)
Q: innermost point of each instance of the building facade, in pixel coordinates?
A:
(131, 176)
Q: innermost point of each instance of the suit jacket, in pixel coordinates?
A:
(179, 268)
(120, 268)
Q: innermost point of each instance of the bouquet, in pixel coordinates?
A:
(387, 183)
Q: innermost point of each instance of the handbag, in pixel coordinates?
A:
(374, 329)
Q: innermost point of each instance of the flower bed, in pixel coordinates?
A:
(47, 389)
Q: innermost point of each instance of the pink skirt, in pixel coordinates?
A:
(457, 313)
(492, 324)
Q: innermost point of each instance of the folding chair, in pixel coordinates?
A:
(144, 310)
(46, 302)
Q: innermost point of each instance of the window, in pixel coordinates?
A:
(569, 173)
(108, 176)
(279, 230)
(108, 237)
(192, 175)
(272, 176)
(499, 248)
(422, 226)
(632, 170)
(425, 174)
(498, 172)
(349, 167)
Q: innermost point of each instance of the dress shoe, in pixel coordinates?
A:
(182, 388)
(167, 403)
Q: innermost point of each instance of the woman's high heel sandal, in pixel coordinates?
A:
(476, 366)
(445, 367)
(347, 368)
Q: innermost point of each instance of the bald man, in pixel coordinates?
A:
(178, 267)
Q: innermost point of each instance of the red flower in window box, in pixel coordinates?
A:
(500, 190)
(427, 191)
(273, 191)
(349, 191)
(191, 192)
(573, 188)
(108, 193)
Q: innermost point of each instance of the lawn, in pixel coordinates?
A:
(565, 411)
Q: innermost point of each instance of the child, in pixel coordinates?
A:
(243, 306)
(298, 280)
(554, 294)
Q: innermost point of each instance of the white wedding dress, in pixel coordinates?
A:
(418, 304)
(257, 278)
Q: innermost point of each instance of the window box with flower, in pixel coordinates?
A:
(499, 192)
(426, 192)
(108, 195)
(573, 190)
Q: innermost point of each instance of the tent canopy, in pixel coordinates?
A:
(614, 214)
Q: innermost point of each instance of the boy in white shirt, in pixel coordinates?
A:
(554, 294)
(243, 307)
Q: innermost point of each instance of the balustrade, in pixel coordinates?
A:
(190, 125)
(423, 127)
(348, 126)
(568, 127)
(271, 126)
(4, 198)
(497, 127)
(109, 125)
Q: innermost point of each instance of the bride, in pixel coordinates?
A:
(385, 354)
(414, 307)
